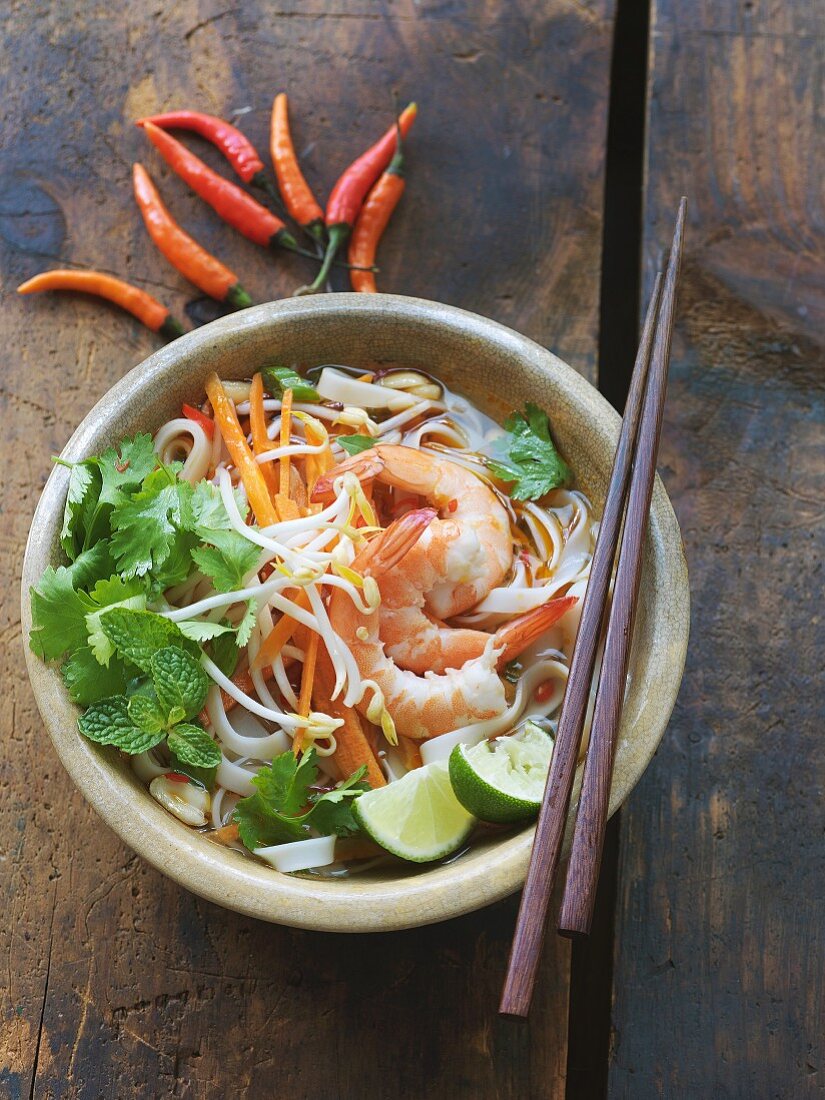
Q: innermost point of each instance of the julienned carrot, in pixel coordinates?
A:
(307, 681)
(182, 251)
(298, 198)
(253, 480)
(317, 465)
(286, 433)
(353, 749)
(261, 443)
(148, 310)
(280, 635)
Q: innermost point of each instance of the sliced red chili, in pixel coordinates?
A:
(543, 691)
(176, 777)
(451, 507)
(205, 422)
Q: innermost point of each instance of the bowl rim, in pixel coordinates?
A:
(228, 878)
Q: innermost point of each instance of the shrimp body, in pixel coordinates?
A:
(436, 702)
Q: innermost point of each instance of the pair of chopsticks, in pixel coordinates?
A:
(631, 484)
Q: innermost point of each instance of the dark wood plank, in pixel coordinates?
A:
(720, 931)
(115, 982)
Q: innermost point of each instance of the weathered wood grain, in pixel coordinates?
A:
(113, 982)
(720, 930)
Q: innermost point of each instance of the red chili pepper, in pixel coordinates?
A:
(205, 422)
(176, 777)
(182, 251)
(300, 202)
(543, 691)
(453, 504)
(349, 192)
(372, 221)
(235, 146)
(234, 205)
(147, 309)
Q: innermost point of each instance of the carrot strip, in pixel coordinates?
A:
(233, 437)
(261, 442)
(353, 748)
(281, 633)
(286, 432)
(307, 679)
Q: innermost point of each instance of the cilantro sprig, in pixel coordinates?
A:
(533, 465)
(285, 808)
(355, 444)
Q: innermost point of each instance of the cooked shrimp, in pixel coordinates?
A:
(437, 702)
(464, 553)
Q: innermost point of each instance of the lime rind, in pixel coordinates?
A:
(502, 781)
(417, 818)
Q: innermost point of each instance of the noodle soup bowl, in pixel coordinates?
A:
(498, 370)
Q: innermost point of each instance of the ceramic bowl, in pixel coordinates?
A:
(493, 366)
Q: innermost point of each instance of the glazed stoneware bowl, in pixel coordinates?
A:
(497, 369)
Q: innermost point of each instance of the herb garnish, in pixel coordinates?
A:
(533, 464)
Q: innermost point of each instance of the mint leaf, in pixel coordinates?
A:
(355, 444)
(87, 681)
(277, 380)
(193, 745)
(138, 635)
(146, 713)
(108, 723)
(106, 595)
(204, 776)
(148, 527)
(179, 682)
(228, 561)
(533, 464)
(58, 615)
(84, 489)
(225, 653)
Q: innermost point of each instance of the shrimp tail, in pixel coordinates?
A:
(366, 466)
(518, 634)
(398, 539)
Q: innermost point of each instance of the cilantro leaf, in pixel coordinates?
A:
(58, 615)
(123, 469)
(228, 561)
(533, 464)
(277, 380)
(88, 681)
(138, 635)
(148, 527)
(146, 713)
(208, 510)
(355, 444)
(179, 681)
(273, 814)
(81, 499)
(193, 745)
(92, 565)
(247, 624)
(269, 816)
(331, 812)
(108, 723)
(201, 630)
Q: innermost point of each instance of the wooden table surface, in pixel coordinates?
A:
(706, 977)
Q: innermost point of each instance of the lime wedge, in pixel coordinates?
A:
(503, 780)
(418, 817)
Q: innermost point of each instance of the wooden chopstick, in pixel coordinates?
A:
(528, 940)
(591, 820)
